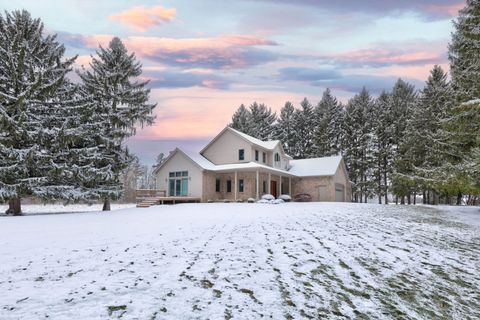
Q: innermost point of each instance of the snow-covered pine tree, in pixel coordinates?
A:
(357, 144)
(329, 115)
(32, 72)
(261, 121)
(241, 119)
(403, 100)
(464, 53)
(122, 102)
(285, 128)
(305, 132)
(382, 145)
(427, 143)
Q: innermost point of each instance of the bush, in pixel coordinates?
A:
(251, 200)
(302, 197)
(268, 197)
(285, 197)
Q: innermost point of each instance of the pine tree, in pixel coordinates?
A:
(403, 99)
(241, 120)
(357, 144)
(305, 133)
(261, 121)
(33, 73)
(464, 53)
(285, 128)
(121, 102)
(329, 115)
(382, 145)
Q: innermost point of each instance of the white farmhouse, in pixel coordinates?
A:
(235, 166)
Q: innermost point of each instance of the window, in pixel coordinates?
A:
(178, 184)
(264, 157)
(240, 185)
(277, 157)
(241, 154)
(256, 155)
(217, 185)
(264, 186)
(229, 185)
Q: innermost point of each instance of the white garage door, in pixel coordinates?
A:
(339, 193)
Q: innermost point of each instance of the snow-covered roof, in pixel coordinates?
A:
(270, 144)
(326, 166)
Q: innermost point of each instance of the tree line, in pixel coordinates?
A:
(60, 139)
(404, 142)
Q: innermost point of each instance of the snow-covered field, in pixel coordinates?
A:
(246, 261)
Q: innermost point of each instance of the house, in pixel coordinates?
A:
(236, 166)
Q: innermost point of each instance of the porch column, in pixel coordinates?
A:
(269, 183)
(257, 185)
(235, 186)
(281, 185)
(290, 186)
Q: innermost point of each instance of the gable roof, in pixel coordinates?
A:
(268, 145)
(326, 166)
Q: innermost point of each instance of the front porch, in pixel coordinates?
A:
(241, 185)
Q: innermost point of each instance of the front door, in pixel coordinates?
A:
(273, 188)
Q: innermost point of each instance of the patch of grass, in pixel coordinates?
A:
(112, 309)
(206, 284)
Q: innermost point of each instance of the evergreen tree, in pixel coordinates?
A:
(305, 131)
(33, 73)
(285, 128)
(328, 134)
(261, 121)
(382, 145)
(121, 102)
(241, 119)
(357, 144)
(464, 53)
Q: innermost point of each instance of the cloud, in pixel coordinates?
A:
(221, 52)
(169, 79)
(383, 54)
(345, 82)
(431, 9)
(143, 18)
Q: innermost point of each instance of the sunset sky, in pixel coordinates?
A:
(205, 58)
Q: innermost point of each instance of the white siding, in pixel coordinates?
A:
(179, 162)
(225, 149)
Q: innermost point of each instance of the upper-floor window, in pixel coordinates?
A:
(264, 157)
(256, 155)
(277, 157)
(241, 154)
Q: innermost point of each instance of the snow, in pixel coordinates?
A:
(33, 209)
(294, 260)
(326, 166)
(269, 145)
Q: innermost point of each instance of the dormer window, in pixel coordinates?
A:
(277, 157)
(241, 154)
(264, 157)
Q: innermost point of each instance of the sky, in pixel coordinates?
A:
(205, 58)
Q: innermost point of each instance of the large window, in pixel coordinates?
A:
(240, 185)
(241, 154)
(217, 185)
(229, 185)
(178, 184)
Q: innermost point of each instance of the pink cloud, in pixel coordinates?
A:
(446, 9)
(221, 52)
(143, 18)
(383, 54)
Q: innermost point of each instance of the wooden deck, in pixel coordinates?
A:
(152, 201)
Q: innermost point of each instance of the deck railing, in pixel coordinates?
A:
(149, 193)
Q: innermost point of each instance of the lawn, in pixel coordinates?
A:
(243, 261)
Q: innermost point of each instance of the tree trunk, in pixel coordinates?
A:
(428, 197)
(415, 197)
(424, 197)
(402, 200)
(435, 198)
(106, 205)
(409, 199)
(14, 207)
(396, 199)
(459, 199)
